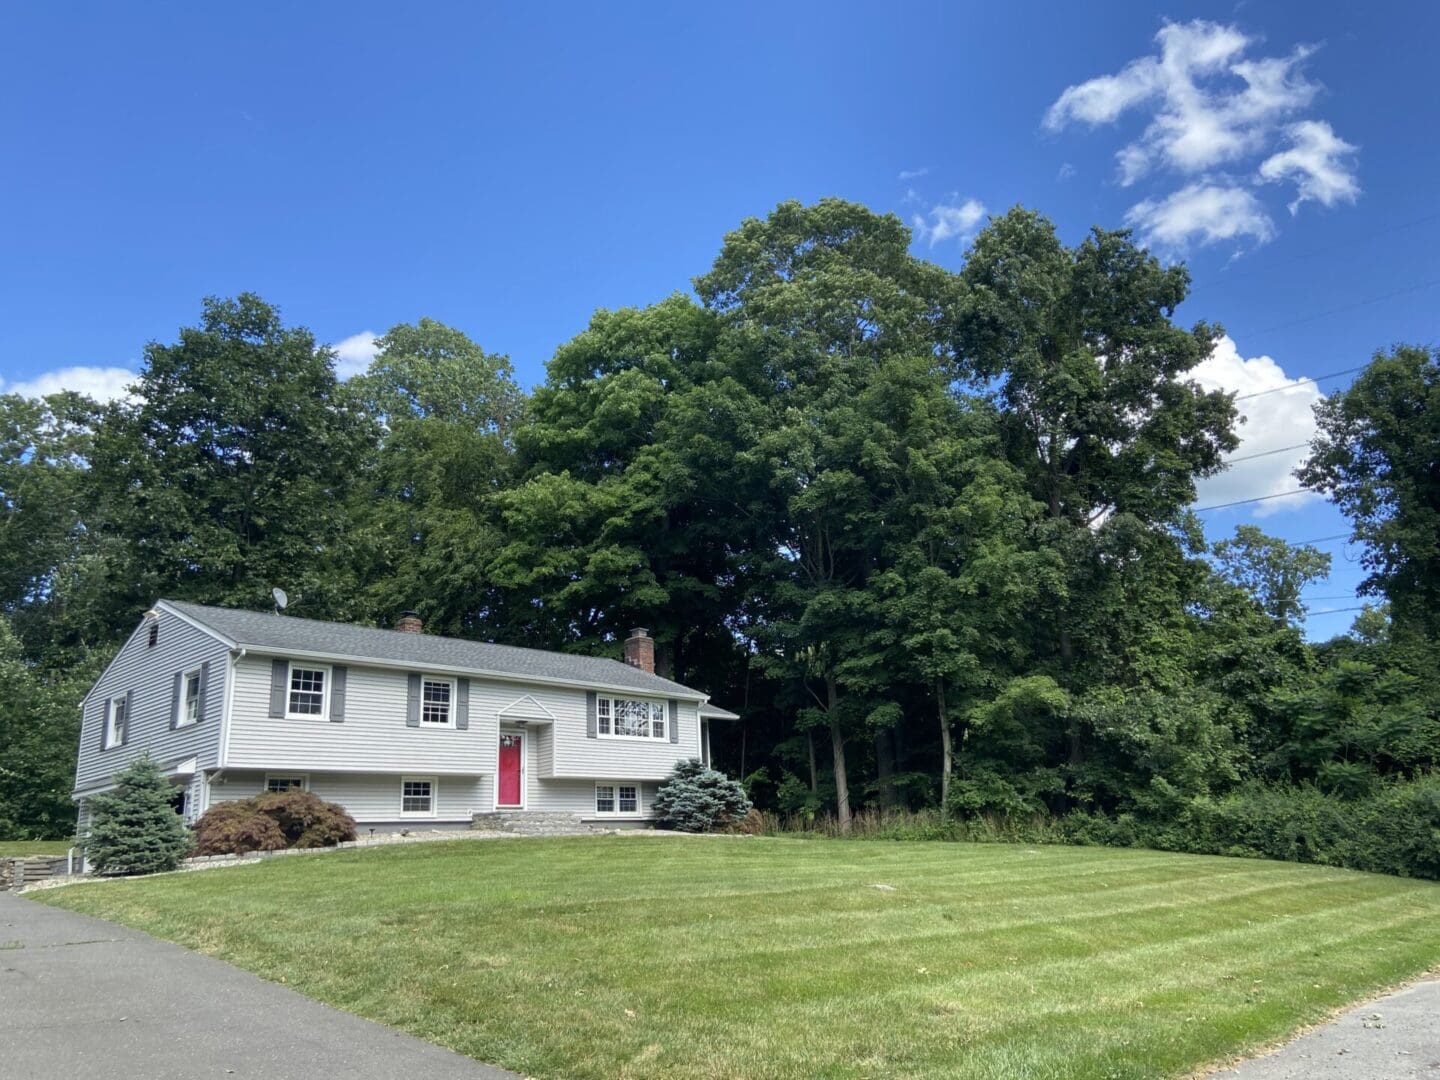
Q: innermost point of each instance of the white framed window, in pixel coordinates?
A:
(286, 782)
(630, 718)
(309, 693)
(437, 702)
(617, 798)
(189, 698)
(417, 796)
(117, 723)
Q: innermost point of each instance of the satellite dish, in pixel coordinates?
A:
(281, 600)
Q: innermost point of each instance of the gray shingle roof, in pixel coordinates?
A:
(284, 633)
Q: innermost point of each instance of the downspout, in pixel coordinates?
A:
(227, 705)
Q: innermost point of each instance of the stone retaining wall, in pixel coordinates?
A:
(20, 871)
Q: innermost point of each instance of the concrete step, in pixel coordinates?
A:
(531, 822)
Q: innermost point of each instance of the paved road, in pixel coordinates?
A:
(1394, 1038)
(82, 999)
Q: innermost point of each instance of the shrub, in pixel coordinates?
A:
(134, 829)
(1394, 830)
(269, 822)
(696, 798)
(307, 820)
(236, 828)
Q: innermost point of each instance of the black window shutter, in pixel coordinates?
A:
(412, 704)
(175, 700)
(279, 676)
(674, 720)
(204, 689)
(462, 704)
(129, 715)
(591, 723)
(337, 694)
(105, 722)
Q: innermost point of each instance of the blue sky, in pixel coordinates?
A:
(508, 169)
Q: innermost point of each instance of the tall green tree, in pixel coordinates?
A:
(226, 476)
(1272, 571)
(959, 568)
(425, 519)
(633, 511)
(1091, 372)
(44, 447)
(39, 730)
(813, 301)
(1377, 454)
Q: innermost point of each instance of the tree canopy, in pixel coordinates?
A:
(926, 530)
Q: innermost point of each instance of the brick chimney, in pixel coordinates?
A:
(640, 650)
(410, 623)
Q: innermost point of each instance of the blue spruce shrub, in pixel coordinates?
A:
(696, 798)
(134, 829)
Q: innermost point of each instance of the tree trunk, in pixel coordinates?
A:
(837, 749)
(885, 766)
(814, 780)
(947, 750)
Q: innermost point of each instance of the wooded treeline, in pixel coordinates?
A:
(926, 530)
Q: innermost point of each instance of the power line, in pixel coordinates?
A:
(1228, 275)
(1336, 610)
(1299, 382)
(1348, 307)
(1265, 453)
(1320, 539)
(1242, 502)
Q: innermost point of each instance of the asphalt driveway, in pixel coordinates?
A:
(83, 999)
(1396, 1037)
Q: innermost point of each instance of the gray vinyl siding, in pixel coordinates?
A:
(578, 796)
(370, 798)
(372, 738)
(149, 673)
(575, 755)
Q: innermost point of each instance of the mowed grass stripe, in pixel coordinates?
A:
(721, 957)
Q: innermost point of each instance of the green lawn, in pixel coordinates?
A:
(741, 957)
(34, 847)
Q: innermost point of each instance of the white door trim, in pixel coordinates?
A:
(524, 765)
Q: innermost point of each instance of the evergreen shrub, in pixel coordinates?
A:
(134, 829)
(696, 798)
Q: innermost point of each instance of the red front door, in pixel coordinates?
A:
(509, 792)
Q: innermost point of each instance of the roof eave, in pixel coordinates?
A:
(678, 691)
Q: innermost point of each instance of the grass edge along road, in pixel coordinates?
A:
(731, 957)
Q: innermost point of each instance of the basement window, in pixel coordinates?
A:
(617, 798)
(417, 796)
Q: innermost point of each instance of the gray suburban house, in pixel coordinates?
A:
(402, 728)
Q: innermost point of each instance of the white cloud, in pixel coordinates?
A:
(913, 174)
(949, 220)
(354, 353)
(1318, 162)
(100, 383)
(1272, 421)
(1210, 104)
(1207, 212)
(1066, 172)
